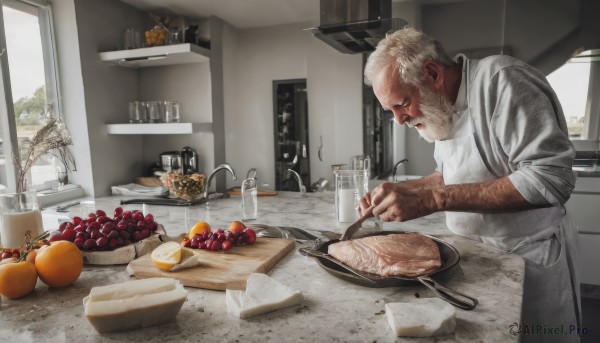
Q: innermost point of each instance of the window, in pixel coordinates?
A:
(577, 84)
(29, 85)
(570, 82)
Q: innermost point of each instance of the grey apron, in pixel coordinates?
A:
(540, 236)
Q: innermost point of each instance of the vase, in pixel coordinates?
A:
(19, 213)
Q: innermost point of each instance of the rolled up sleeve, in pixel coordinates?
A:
(529, 125)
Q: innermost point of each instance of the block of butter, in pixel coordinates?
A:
(423, 318)
(263, 294)
(134, 304)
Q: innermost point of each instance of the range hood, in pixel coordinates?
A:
(356, 26)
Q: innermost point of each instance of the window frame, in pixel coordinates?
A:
(43, 10)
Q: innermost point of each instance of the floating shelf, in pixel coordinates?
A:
(157, 56)
(158, 128)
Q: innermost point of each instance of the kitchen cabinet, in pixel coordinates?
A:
(157, 56)
(583, 210)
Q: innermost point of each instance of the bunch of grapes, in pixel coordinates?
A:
(219, 239)
(100, 232)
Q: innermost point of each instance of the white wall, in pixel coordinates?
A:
(253, 59)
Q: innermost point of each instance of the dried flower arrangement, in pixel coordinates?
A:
(53, 138)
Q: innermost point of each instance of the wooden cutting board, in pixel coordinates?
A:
(220, 270)
(260, 192)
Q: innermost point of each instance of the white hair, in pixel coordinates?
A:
(405, 51)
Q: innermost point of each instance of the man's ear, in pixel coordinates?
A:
(434, 74)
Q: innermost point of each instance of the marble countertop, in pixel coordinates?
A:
(333, 310)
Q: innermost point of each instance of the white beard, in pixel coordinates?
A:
(437, 116)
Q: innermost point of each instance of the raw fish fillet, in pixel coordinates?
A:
(405, 254)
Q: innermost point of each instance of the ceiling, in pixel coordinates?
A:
(241, 14)
(244, 14)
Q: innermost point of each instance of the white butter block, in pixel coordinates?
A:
(263, 294)
(423, 318)
(137, 309)
(129, 289)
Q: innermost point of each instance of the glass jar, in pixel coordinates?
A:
(19, 213)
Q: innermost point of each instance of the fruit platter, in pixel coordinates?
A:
(107, 240)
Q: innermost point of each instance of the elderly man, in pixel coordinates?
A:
(504, 163)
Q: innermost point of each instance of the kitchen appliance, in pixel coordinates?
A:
(450, 258)
(170, 161)
(356, 26)
(189, 160)
(221, 271)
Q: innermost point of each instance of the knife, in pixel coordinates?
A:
(164, 202)
(354, 227)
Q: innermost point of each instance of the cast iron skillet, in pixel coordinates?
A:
(448, 253)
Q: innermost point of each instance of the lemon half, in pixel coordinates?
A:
(166, 255)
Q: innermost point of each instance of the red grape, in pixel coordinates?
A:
(138, 216)
(101, 242)
(69, 234)
(216, 245)
(221, 237)
(95, 234)
(81, 235)
(251, 239)
(76, 220)
(79, 242)
(56, 237)
(202, 245)
(94, 225)
(242, 239)
(126, 215)
(113, 234)
(92, 216)
(125, 234)
(89, 244)
(102, 219)
(118, 211)
(226, 245)
(250, 232)
(100, 213)
(122, 225)
(149, 218)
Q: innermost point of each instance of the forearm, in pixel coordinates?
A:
(494, 196)
(432, 180)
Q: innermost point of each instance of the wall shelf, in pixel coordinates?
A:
(158, 128)
(157, 56)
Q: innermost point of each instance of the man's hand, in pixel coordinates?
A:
(413, 199)
(399, 201)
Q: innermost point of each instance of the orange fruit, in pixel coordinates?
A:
(17, 279)
(166, 255)
(31, 256)
(59, 264)
(236, 227)
(198, 229)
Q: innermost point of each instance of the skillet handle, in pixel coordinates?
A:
(455, 298)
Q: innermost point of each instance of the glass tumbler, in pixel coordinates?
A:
(154, 112)
(361, 162)
(176, 111)
(350, 187)
(135, 112)
(249, 199)
(167, 111)
(19, 213)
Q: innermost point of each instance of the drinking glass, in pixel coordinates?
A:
(361, 162)
(135, 112)
(19, 213)
(350, 187)
(176, 111)
(154, 112)
(249, 199)
(167, 111)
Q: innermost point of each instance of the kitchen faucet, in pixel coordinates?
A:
(251, 173)
(299, 179)
(224, 166)
(396, 168)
